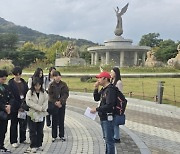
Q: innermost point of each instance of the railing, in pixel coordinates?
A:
(145, 91)
(141, 89)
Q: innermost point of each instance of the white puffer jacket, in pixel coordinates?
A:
(38, 106)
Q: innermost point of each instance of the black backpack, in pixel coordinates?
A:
(120, 105)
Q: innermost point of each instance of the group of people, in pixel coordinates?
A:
(107, 96)
(28, 104)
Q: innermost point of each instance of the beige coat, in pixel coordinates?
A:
(38, 107)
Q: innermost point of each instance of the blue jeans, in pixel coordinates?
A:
(116, 132)
(108, 128)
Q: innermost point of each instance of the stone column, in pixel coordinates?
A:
(102, 58)
(135, 58)
(96, 58)
(121, 58)
(92, 58)
(107, 57)
(143, 58)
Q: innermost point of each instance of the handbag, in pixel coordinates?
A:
(119, 119)
(3, 115)
(24, 106)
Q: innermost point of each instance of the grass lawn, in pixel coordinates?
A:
(143, 88)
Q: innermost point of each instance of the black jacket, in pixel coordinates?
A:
(15, 92)
(6, 97)
(107, 97)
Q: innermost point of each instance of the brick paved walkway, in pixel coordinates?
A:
(84, 136)
(157, 125)
(150, 128)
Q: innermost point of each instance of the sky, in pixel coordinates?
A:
(95, 20)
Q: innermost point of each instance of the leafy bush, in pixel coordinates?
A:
(7, 66)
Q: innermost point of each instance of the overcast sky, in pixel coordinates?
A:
(95, 20)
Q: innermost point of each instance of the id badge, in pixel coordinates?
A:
(22, 115)
(22, 96)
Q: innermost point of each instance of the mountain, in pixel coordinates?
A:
(28, 34)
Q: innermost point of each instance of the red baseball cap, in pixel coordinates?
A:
(104, 74)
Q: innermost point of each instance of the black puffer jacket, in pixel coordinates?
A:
(6, 97)
(107, 97)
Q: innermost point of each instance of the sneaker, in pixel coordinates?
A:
(117, 140)
(3, 149)
(40, 148)
(62, 139)
(53, 139)
(25, 142)
(15, 145)
(27, 150)
(33, 150)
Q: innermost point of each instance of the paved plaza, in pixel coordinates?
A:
(150, 128)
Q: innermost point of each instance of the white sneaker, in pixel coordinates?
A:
(14, 145)
(62, 139)
(53, 139)
(28, 150)
(25, 142)
(40, 148)
(33, 150)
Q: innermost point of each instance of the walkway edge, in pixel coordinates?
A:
(141, 145)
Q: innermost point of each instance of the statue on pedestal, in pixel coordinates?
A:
(119, 30)
(71, 51)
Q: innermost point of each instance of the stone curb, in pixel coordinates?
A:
(141, 145)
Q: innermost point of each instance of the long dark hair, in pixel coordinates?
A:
(37, 73)
(36, 80)
(117, 75)
(50, 69)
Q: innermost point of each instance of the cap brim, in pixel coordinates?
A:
(98, 76)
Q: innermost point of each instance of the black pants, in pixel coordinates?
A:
(14, 129)
(3, 130)
(48, 120)
(36, 133)
(58, 119)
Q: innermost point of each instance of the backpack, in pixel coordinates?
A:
(120, 105)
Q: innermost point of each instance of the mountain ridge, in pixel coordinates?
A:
(27, 34)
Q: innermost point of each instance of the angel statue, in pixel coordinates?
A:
(119, 30)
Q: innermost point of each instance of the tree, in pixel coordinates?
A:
(8, 41)
(56, 48)
(28, 46)
(150, 40)
(85, 54)
(167, 49)
(25, 58)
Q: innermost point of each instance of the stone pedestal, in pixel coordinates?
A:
(69, 61)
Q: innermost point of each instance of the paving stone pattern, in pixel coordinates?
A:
(84, 136)
(157, 125)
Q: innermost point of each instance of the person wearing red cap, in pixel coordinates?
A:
(107, 98)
